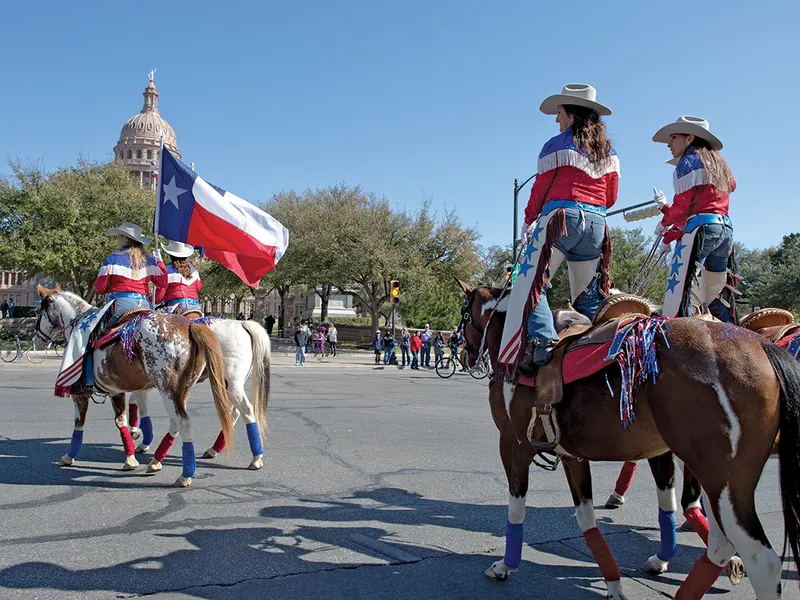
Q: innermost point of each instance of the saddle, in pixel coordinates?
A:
(192, 314)
(766, 318)
(109, 335)
(615, 313)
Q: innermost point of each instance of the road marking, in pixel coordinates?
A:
(384, 548)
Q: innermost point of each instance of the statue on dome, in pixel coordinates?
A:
(152, 74)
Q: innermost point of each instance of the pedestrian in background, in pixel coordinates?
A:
(438, 348)
(388, 348)
(377, 346)
(300, 341)
(269, 324)
(4, 308)
(427, 340)
(333, 337)
(415, 344)
(11, 306)
(405, 345)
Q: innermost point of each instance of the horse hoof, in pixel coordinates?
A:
(655, 565)
(735, 570)
(615, 591)
(615, 500)
(210, 453)
(183, 482)
(155, 466)
(498, 571)
(65, 461)
(686, 526)
(130, 463)
(142, 448)
(257, 463)
(136, 433)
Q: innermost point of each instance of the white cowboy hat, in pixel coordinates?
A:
(688, 126)
(576, 94)
(178, 249)
(130, 230)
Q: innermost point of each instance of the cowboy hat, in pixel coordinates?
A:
(178, 249)
(130, 230)
(688, 126)
(576, 94)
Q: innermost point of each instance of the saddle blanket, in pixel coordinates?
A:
(791, 343)
(78, 342)
(586, 360)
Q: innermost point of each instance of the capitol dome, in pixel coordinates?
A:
(140, 138)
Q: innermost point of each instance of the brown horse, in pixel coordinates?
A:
(170, 355)
(720, 397)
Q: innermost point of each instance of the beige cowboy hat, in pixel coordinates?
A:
(130, 230)
(687, 125)
(577, 94)
(178, 249)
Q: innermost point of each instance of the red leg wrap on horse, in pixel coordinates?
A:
(133, 415)
(164, 447)
(625, 478)
(127, 440)
(702, 576)
(602, 554)
(219, 445)
(698, 522)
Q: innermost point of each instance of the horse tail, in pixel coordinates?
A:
(262, 353)
(209, 346)
(787, 370)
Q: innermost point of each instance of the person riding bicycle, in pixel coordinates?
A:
(127, 273)
(698, 215)
(577, 179)
(183, 281)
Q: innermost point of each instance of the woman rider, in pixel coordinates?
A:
(702, 182)
(183, 280)
(577, 180)
(125, 276)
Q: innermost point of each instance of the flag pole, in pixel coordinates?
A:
(158, 202)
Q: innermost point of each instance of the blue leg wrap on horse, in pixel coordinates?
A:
(146, 425)
(669, 541)
(254, 438)
(189, 464)
(703, 506)
(75, 443)
(513, 555)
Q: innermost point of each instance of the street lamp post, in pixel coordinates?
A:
(514, 239)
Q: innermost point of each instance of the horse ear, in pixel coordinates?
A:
(42, 291)
(467, 289)
(57, 288)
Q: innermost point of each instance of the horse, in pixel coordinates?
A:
(170, 354)
(245, 349)
(721, 396)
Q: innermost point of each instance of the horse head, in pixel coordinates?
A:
(477, 308)
(58, 312)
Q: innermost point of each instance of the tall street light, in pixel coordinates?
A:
(514, 238)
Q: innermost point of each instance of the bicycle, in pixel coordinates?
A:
(10, 355)
(446, 366)
(36, 354)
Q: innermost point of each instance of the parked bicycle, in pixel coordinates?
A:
(14, 352)
(35, 351)
(446, 366)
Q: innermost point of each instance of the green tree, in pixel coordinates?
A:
(779, 284)
(55, 224)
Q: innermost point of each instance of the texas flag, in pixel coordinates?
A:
(232, 231)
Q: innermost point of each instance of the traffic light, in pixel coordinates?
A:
(394, 291)
(509, 270)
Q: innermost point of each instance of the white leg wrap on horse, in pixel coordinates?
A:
(712, 285)
(615, 591)
(666, 499)
(581, 274)
(516, 509)
(656, 565)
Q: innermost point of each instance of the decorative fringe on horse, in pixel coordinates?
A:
(207, 320)
(634, 350)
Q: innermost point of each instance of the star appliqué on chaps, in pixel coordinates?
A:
(676, 267)
(524, 268)
(679, 248)
(529, 252)
(536, 231)
(672, 284)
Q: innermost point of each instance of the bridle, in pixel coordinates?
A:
(58, 325)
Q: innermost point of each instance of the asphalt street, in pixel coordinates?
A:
(378, 483)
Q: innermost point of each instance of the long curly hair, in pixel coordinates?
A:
(136, 254)
(183, 265)
(715, 165)
(589, 132)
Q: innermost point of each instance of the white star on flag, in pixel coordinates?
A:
(171, 192)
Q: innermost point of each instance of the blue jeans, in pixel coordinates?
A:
(406, 355)
(425, 359)
(300, 355)
(583, 241)
(714, 253)
(122, 304)
(415, 359)
(387, 355)
(188, 304)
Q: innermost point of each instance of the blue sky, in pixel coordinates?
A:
(434, 99)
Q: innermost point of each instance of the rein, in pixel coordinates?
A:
(60, 328)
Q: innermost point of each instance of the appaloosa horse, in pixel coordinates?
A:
(720, 396)
(245, 349)
(170, 354)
